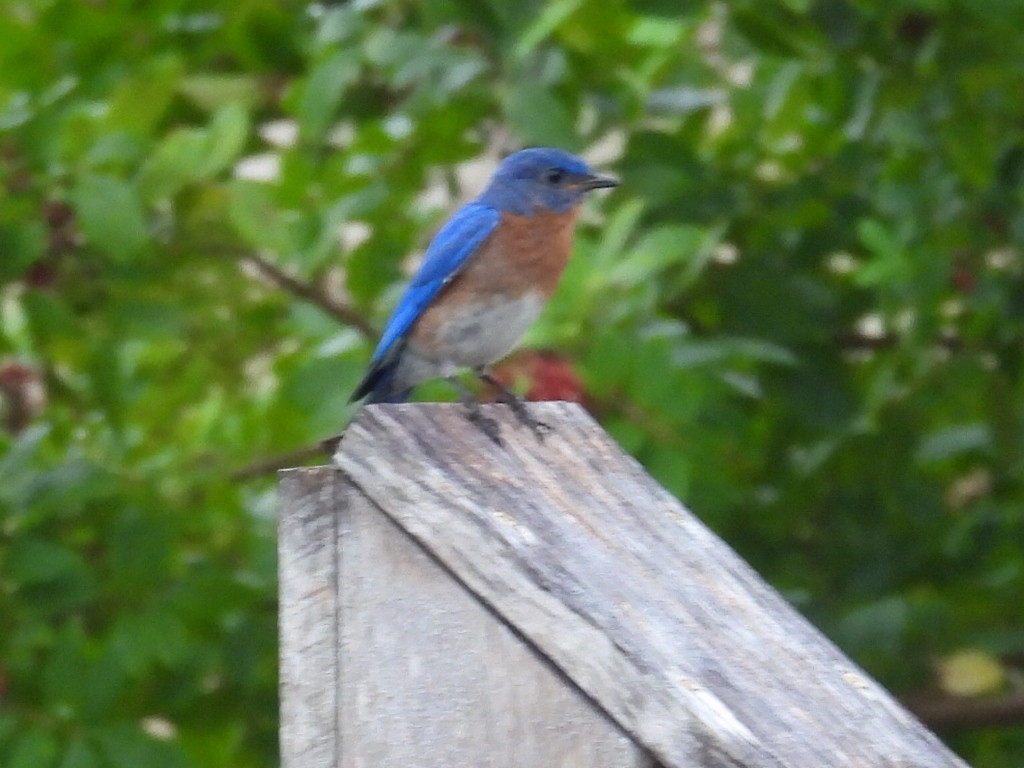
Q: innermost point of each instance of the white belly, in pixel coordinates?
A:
(487, 333)
(471, 338)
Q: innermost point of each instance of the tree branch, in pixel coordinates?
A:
(311, 293)
(270, 464)
(943, 712)
(856, 341)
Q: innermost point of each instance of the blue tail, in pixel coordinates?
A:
(379, 384)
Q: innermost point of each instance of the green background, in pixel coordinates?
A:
(803, 311)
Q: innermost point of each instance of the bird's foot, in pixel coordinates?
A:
(475, 413)
(518, 405)
(486, 424)
(522, 412)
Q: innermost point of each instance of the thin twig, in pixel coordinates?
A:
(269, 464)
(313, 294)
(944, 712)
(857, 341)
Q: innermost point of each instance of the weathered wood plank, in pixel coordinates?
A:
(388, 660)
(307, 568)
(627, 592)
(431, 678)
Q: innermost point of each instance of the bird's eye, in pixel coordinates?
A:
(553, 176)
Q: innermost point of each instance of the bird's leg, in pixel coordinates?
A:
(474, 413)
(516, 403)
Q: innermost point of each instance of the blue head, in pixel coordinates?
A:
(541, 179)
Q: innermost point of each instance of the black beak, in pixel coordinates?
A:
(595, 181)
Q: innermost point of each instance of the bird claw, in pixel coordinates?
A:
(486, 424)
(517, 404)
(539, 428)
(519, 408)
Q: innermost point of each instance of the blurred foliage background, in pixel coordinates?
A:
(803, 311)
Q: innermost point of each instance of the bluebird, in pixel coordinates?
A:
(485, 278)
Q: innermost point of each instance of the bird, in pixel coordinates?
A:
(485, 278)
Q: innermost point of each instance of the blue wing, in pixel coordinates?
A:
(447, 253)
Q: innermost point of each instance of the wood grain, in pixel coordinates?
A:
(622, 588)
(307, 567)
(401, 665)
(431, 678)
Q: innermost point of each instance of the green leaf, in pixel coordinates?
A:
(657, 32)
(338, 24)
(33, 748)
(210, 92)
(322, 93)
(110, 215)
(552, 16)
(138, 552)
(79, 755)
(176, 161)
(21, 244)
(17, 464)
(33, 561)
(192, 155)
(888, 263)
(701, 352)
(953, 441)
(684, 99)
(256, 217)
(125, 745)
(225, 139)
(141, 640)
(774, 34)
(615, 233)
(539, 118)
(141, 100)
(674, 245)
(881, 624)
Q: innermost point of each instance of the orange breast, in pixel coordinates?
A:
(525, 253)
